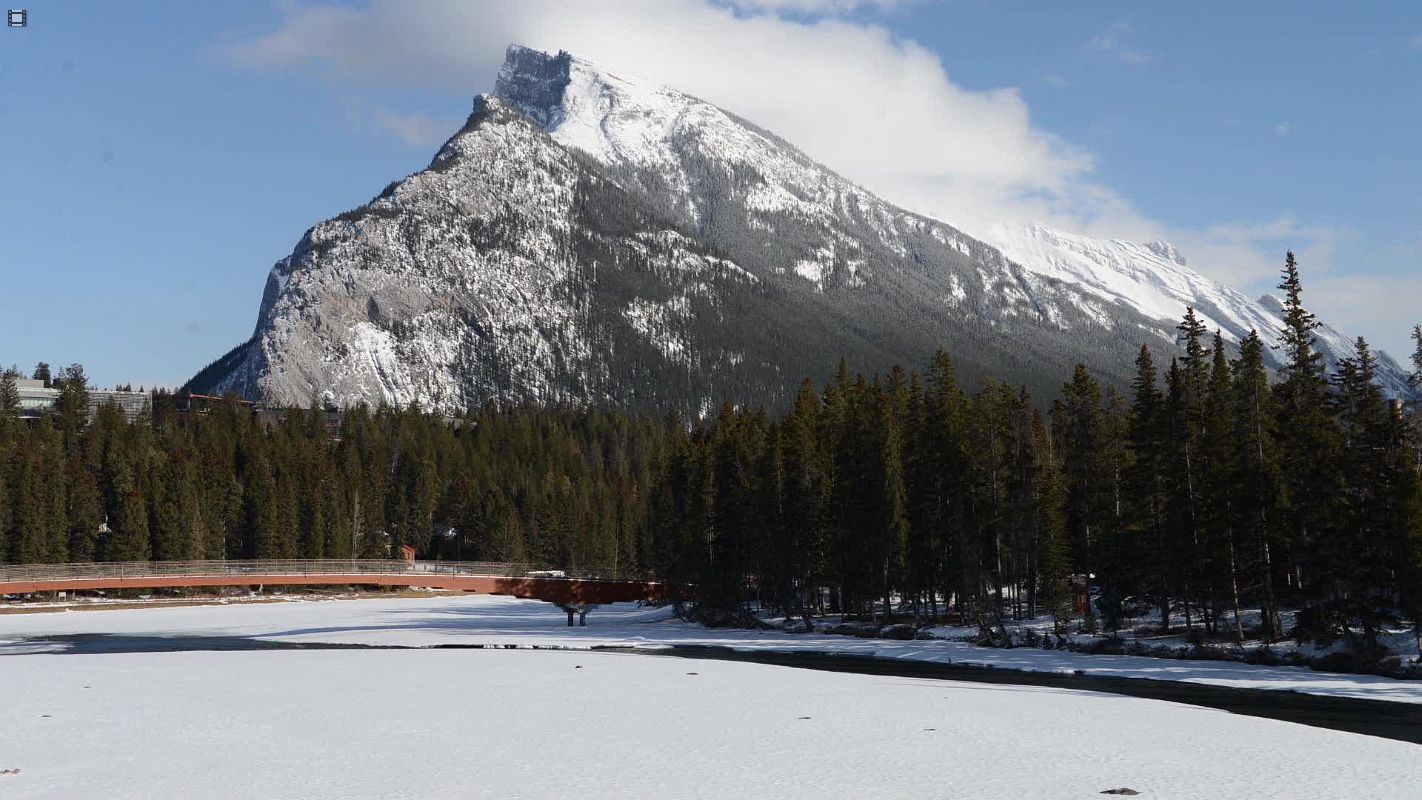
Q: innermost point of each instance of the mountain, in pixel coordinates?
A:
(586, 238)
(1154, 280)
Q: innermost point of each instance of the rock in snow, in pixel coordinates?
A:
(587, 238)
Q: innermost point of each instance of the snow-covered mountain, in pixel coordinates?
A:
(1153, 279)
(590, 238)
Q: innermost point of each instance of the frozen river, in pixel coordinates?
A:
(396, 723)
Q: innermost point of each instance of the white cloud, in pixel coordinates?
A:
(415, 130)
(1281, 129)
(1116, 44)
(1415, 42)
(1054, 80)
(816, 6)
(1250, 255)
(879, 109)
(1380, 308)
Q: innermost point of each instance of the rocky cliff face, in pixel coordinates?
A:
(590, 239)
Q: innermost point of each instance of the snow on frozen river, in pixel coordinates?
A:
(527, 724)
(488, 620)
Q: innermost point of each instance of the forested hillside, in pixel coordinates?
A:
(1209, 487)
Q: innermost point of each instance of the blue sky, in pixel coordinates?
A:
(160, 156)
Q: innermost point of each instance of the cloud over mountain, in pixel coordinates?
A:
(878, 108)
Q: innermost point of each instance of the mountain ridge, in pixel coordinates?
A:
(585, 238)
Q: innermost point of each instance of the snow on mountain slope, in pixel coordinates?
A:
(648, 131)
(1151, 278)
(1154, 279)
(707, 163)
(590, 238)
(457, 285)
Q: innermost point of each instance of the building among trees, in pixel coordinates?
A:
(38, 399)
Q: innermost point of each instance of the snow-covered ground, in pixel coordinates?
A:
(524, 724)
(487, 620)
(540, 724)
(1141, 636)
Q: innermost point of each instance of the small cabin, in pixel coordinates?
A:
(407, 553)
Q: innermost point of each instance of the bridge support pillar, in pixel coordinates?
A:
(581, 610)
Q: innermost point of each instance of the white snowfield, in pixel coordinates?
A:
(490, 621)
(547, 724)
(526, 724)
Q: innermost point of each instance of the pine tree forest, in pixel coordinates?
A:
(1209, 487)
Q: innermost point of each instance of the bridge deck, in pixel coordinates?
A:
(517, 580)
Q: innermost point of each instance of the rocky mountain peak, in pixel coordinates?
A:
(589, 238)
(535, 83)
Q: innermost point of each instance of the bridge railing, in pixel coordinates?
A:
(27, 573)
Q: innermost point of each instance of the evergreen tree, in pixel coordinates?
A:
(282, 542)
(1414, 407)
(892, 505)
(1087, 472)
(9, 405)
(1148, 556)
(1415, 379)
(1181, 498)
(734, 444)
(989, 433)
(84, 512)
(54, 496)
(772, 556)
(804, 497)
(1053, 550)
(166, 523)
(1405, 516)
(1256, 473)
(1308, 445)
(72, 403)
(263, 524)
(27, 544)
(945, 504)
(1113, 560)
(127, 538)
(1188, 394)
(1223, 551)
(1359, 553)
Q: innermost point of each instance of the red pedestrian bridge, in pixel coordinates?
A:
(575, 591)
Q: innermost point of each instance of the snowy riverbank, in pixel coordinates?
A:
(378, 723)
(1145, 639)
(501, 621)
(521, 724)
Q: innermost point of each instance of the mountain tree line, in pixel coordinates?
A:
(1205, 488)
